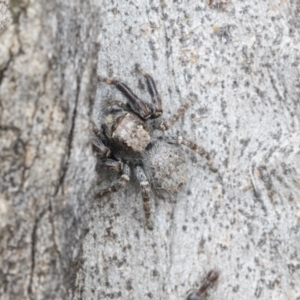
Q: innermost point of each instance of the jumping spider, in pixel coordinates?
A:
(126, 141)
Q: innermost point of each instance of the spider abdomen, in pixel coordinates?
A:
(166, 167)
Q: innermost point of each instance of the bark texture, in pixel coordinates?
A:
(5, 16)
(48, 81)
(241, 59)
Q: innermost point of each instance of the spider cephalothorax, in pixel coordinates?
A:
(127, 131)
(126, 142)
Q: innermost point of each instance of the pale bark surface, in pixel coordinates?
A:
(48, 69)
(5, 16)
(242, 60)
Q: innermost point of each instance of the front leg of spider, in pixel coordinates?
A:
(108, 163)
(156, 100)
(145, 187)
(98, 146)
(198, 149)
(136, 104)
(165, 125)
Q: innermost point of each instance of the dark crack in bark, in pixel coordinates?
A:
(65, 164)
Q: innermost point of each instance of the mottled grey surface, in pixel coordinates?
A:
(241, 59)
(47, 86)
(5, 16)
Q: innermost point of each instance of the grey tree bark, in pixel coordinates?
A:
(241, 59)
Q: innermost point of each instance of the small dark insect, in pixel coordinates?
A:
(218, 5)
(211, 277)
(128, 140)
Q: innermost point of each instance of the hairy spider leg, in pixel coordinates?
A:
(136, 104)
(153, 92)
(198, 149)
(98, 145)
(120, 183)
(193, 146)
(111, 164)
(145, 186)
(180, 112)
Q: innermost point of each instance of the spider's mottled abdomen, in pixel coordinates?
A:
(166, 167)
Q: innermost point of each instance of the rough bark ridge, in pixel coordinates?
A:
(48, 66)
(5, 16)
(241, 59)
